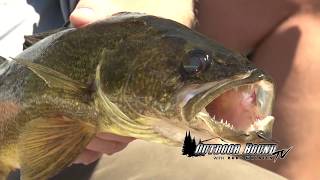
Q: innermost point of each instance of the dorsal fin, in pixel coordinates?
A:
(30, 40)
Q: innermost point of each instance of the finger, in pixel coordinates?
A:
(88, 11)
(87, 157)
(113, 137)
(105, 146)
(82, 16)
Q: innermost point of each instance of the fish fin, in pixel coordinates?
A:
(53, 78)
(46, 146)
(4, 171)
(8, 159)
(30, 40)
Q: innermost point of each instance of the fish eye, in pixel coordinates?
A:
(196, 61)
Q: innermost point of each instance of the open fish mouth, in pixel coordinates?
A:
(239, 104)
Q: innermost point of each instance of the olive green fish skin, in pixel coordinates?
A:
(140, 61)
(143, 49)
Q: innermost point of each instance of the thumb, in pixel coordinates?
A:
(88, 11)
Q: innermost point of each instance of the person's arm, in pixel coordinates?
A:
(284, 35)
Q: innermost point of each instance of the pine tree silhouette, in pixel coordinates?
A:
(192, 147)
(189, 145)
(184, 147)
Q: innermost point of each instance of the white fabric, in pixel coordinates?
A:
(17, 19)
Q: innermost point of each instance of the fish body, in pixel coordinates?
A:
(132, 75)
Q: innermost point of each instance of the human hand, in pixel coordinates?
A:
(88, 11)
(103, 143)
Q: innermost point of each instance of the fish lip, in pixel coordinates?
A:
(199, 101)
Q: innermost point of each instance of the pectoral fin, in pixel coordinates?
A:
(54, 79)
(46, 146)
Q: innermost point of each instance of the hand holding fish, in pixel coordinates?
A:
(127, 75)
(103, 143)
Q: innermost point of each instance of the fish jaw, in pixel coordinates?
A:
(234, 109)
(194, 117)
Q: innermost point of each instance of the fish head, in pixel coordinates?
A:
(179, 80)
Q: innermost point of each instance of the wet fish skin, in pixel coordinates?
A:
(120, 75)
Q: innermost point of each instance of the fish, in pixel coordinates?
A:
(133, 75)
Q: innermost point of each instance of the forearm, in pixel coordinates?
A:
(290, 55)
(241, 25)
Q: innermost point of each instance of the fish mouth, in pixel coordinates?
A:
(242, 103)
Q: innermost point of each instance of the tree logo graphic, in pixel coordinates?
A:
(250, 151)
(189, 145)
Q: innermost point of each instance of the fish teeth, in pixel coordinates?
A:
(226, 123)
(251, 127)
